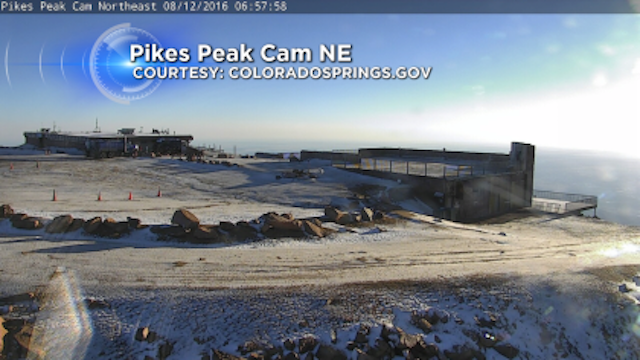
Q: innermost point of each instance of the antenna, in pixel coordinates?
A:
(97, 129)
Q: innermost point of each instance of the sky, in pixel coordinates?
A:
(556, 81)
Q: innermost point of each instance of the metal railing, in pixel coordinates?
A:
(558, 202)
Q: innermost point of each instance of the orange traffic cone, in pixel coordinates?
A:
(130, 196)
(55, 196)
(100, 196)
(159, 193)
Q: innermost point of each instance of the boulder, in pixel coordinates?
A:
(76, 225)
(292, 356)
(111, 227)
(175, 231)
(134, 223)
(164, 351)
(29, 223)
(345, 219)
(186, 219)
(460, 352)
(507, 350)
(326, 352)
(289, 344)
(307, 343)
(207, 233)
(219, 355)
(5, 211)
(17, 217)
(227, 226)
(91, 226)
(59, 224)
(332, 213)
(312, 229)
(366, 214)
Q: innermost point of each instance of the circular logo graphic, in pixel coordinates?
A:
(111, 68)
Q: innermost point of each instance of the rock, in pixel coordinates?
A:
(3, 332)
(332, 213)
(386, 331)
(6, 211)
(59, 224)
(112, 227)
(76, 225)
(244, 231)
(227, 226)
(207, 233)
(424, 325)
(507, 350)
(623, 288)
(276, 226)
(364, 356)
(366, 214)
(249, 347)
(312, 229)
(28, 223)
(164, 351)
(334, 336)
(326, 352)
(174, 231)
(460, 352)
(307, 343)
(292, 356)
(219, 355)
(345, 219)
(378, 215)
(424, 351)
(141, 334)
(134, 223)
(17, 217)
(91, 226)
(186, 219)
(489, 322)
(289, 344)
(381, 350)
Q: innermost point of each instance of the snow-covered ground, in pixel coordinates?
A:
(551, 284)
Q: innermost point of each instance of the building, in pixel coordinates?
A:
(459, 186)
(98, 144)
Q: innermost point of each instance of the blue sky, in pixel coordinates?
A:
(557, 81)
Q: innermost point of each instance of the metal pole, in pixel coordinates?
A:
(407, 168)
(425, 169)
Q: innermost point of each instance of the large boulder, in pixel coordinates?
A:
(28, 223)
(326, 352)
(174, 231)
(91, 226)
(332, 213)
(76, 224)
(186, 219)
(5, 211)
(312, 229)
(206, 234)
(59, 224)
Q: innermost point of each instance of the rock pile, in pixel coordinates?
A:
(185, 226)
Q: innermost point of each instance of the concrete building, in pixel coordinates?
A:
(459, 186)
